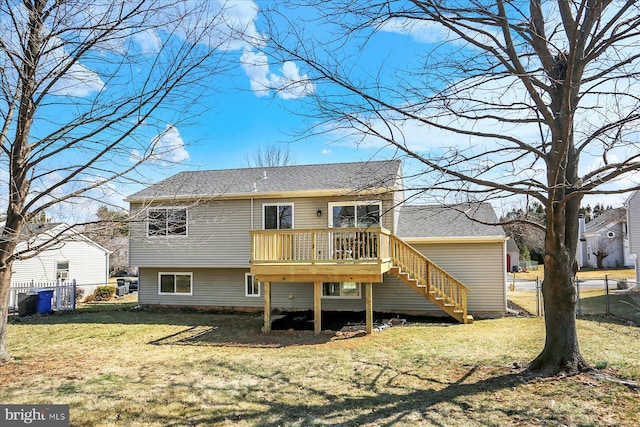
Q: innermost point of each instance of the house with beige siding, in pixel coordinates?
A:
(633, 228)
(321, 237)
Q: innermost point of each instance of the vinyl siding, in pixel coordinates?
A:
(633, 214)
(217, 287)
(218, 231)
(633, 228)
(217, 237)
(479, 266)
(224, 287)
(88, 264)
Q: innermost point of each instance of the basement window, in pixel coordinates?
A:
(341, 290)
(252, 286)
(175, 283)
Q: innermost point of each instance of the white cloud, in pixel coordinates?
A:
(239, 24)
(256, 66)
(168, 147)
(76, 81)
(148, 41)
(79, 81)
(290, 84)
(325, 151)
(420, 31)
(135, 156)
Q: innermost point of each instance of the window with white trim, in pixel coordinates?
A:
(611, 234)
(167, 222)
(175, 283)
(277, 216)
(354, 214)
(62, 270)
(251, 286)
(341, 290)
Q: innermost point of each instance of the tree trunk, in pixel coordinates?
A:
(561, 351)
(9, 237)
(5, 284)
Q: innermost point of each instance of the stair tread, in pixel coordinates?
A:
(433, 294)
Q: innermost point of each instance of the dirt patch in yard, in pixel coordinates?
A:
(348, 320)
(517, 310)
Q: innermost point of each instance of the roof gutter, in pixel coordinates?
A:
(270, 195)
(456, 239)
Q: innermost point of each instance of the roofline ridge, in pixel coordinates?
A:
(289, 166)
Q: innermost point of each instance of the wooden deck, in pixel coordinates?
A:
(325, 255)
(350, 255)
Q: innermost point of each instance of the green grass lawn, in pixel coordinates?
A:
(593, 302)
(120, 367)
(584, 274)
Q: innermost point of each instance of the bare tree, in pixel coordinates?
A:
(111, 231)
(527, 99)
(269, 156)
(601, 253)
(84, 88)
(526, 227)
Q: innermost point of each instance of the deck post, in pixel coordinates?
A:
(267, 307)
(317, 307)
(369, 308)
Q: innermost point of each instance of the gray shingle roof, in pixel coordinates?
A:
(433, 221)
(605, 218)
(30, 230)
(334, 176)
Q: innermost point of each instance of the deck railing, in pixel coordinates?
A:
(428, 275)
(320, 245)
(360, 246)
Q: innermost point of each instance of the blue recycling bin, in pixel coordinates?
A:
(44, 301)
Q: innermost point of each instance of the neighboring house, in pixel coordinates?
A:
(604, 236)
(321, 237)
(69, 255)
(513, 256)
(633, 221)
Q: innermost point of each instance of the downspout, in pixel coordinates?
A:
(251, 240)
(107, 272)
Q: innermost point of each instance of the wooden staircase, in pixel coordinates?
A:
(431, 281)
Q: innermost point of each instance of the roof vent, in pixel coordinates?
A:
(255, 188)
(264, 174)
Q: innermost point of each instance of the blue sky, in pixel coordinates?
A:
(244, 116)
(237, 114)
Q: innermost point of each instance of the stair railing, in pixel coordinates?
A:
(430, 276)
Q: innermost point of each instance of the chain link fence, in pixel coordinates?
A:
(619, 298)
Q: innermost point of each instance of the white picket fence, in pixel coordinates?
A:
(64, 293)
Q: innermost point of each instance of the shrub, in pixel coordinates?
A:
(622, 284)
(79, 294)
(104, 293)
